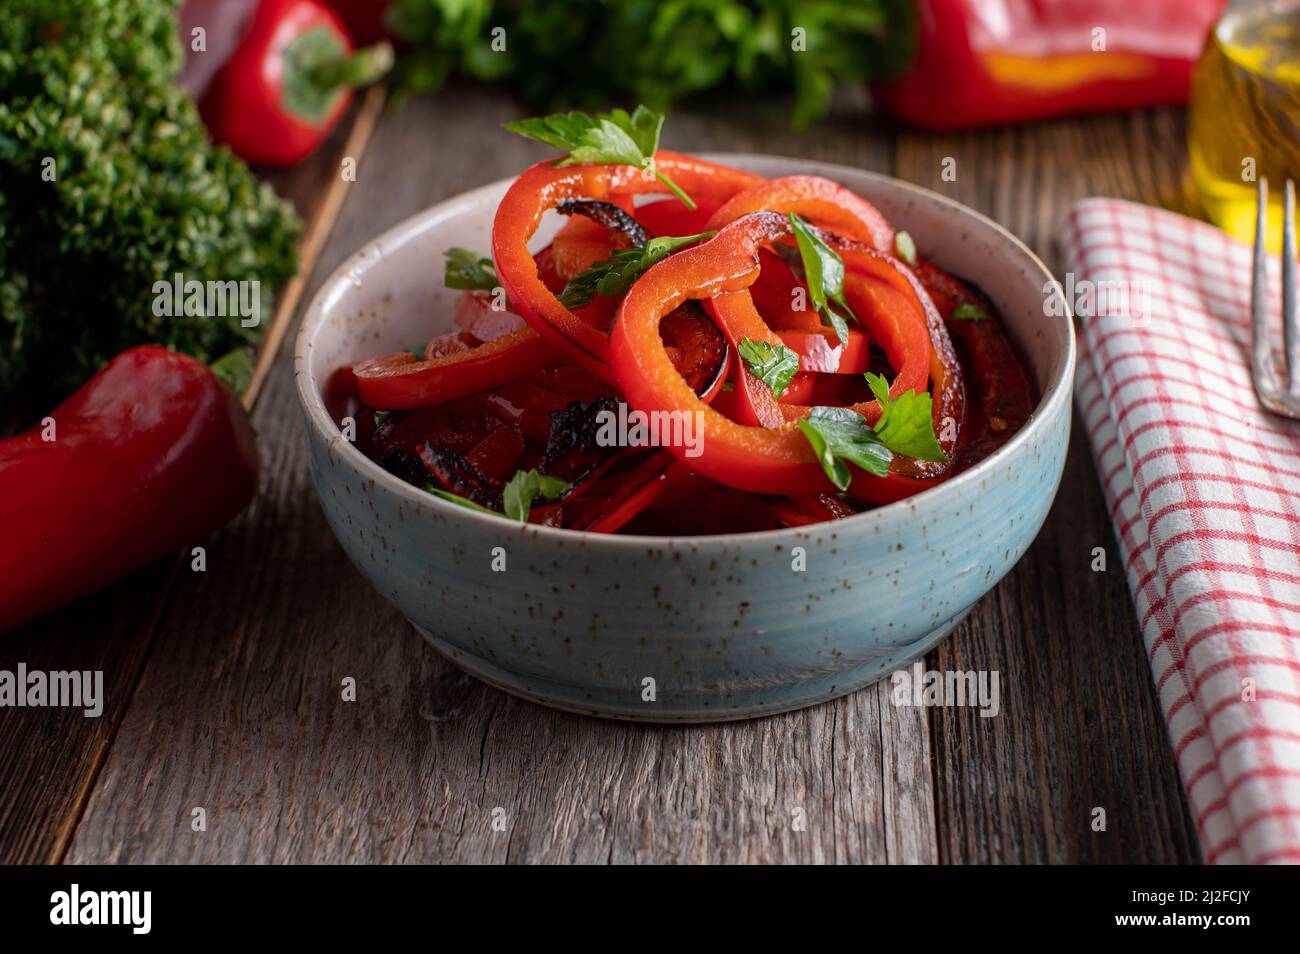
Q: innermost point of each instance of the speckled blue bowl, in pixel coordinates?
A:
(723, 625)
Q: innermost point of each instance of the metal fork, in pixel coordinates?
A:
(1275, 396)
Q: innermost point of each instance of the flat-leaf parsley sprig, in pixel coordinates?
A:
(467, 269)
(615, 276)
(526, 486)
(840, 436)
(516, 498)
(615, 137)
(774, 365)
(824, 273)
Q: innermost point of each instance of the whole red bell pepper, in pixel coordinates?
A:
(282, 92)
(147, 457)
(985, 62)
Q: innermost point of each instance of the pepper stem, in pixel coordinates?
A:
(675, 189)
(359, 68)
(234, 369)
(318, 68)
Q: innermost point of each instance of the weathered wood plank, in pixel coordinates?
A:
(1080, 726)
(240, 713)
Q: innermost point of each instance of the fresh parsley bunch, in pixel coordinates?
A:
(562, 55)
(134, 193)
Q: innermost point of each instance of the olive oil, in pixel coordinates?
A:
(1244, 121)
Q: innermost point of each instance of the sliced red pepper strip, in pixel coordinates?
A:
(774, 295)
(897, 313)
(822, 201)
(898, 322)
(399, 381)
(498, 454)
(830, 204)
(801, 388)
(544, 186)
(752, 401)
(637, 491)
(947, 385)
(802, 511)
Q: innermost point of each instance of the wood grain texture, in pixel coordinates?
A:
(239, 711)
(49, 758)
(1080, 727)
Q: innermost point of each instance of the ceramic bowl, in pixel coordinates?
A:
(690, 628)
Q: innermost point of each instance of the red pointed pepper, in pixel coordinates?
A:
(148, 456)
(285, 88)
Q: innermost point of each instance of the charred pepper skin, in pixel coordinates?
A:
(147, 457)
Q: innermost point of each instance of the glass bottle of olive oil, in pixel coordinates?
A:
(1244, 119)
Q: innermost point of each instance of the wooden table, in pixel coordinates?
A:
(224, 686)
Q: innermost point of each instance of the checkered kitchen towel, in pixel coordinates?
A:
(1204, 493)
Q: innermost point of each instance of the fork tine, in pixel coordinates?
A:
(1260, 351)
(1290, 325)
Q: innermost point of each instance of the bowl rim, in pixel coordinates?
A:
(1056, 393)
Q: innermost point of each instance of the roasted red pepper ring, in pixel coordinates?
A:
(401, 381)
(544, 186)
(865, 239)
(822, 201)
(754, 402)
(898, 322)
(758, 459)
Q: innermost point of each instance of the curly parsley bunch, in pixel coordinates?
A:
(108, 184)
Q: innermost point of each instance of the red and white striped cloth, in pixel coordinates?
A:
(1204, 493)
